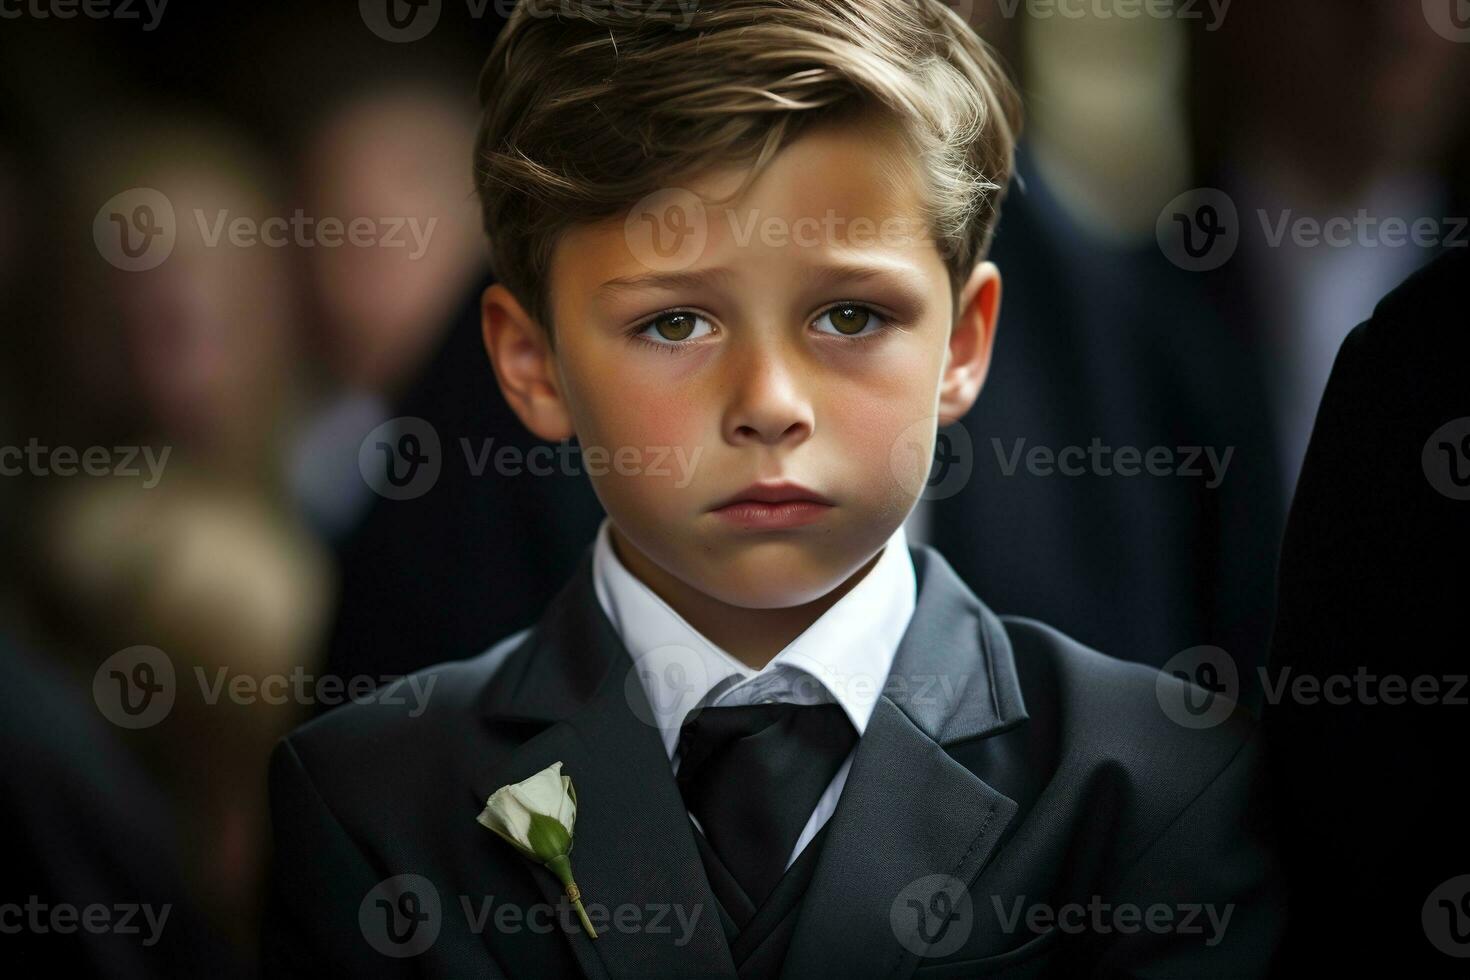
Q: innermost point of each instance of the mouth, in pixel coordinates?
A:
(773, 506)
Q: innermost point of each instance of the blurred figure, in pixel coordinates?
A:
(184, 373)
(428, 579)
(1102, 340)
(88, 829)
(1108, 124)
(1321, 111)
(197, 352)
(431, 578)
(396, 156)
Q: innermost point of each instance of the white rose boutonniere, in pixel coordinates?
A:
(536, 817)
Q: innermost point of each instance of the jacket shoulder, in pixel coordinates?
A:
(1163, 736)
(425, 710)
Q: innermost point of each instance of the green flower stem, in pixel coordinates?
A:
(561, 866)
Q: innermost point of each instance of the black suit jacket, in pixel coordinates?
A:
(1373, 582)
(1004, 762)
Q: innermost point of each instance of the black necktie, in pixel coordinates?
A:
(752, 775)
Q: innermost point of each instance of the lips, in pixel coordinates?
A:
(782, 492)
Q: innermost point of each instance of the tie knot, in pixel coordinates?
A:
(817, 732)
(752, 775)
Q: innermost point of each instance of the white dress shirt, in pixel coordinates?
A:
(843, 657)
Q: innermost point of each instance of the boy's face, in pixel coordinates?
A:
(810, 340)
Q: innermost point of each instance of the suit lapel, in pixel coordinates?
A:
(633, 844)
(910, 817)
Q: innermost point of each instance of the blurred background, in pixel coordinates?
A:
(191, 485)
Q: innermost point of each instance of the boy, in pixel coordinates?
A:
(740, 253)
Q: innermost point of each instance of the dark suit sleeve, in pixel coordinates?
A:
(317, 882)
(1215, 863)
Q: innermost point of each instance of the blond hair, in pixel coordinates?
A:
(588, 106)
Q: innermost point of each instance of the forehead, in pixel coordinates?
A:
(839, 191)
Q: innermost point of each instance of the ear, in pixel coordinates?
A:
(524, 365)
(967, 360)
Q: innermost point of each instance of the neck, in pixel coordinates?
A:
(751, 636)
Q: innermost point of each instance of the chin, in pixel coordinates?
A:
(769, 584)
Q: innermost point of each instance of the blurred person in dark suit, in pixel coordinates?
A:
(1112, 353)
(394, 156)
(427, 578)
(93, 884)
(1120, 350)
(182, 540)
(1369, 652)
(1333, 127)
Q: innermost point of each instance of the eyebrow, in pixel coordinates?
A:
(819, 276)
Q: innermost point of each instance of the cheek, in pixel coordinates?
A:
(650, 436)
(642, 413)
(873, 409)
(882, 426)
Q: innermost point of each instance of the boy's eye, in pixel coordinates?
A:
(850, 319)
(674, 327)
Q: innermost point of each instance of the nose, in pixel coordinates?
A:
(770, 406)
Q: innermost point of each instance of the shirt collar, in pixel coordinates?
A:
(844, 656)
